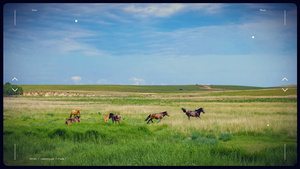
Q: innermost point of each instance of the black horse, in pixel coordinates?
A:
(195, 113)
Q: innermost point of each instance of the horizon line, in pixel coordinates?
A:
(149, 85)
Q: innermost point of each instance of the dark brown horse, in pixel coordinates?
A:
(75, 119)
(70, 121)
(195, 113)
(157, 116)
(115, 117)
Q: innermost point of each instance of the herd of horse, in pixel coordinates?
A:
(118, 117)
(76, 117)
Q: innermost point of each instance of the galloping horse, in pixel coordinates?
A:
(195, 113)
(157, 116)
(75, 112)
(115, 117)
(106, 118)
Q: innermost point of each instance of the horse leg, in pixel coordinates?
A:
(159, 120)
(189, 117)
(148, 117)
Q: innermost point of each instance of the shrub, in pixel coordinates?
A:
(195, 135)
(7, 89)
(225, 136)
(61, 133)
(50, 114)
(7, 132)
(211, 136)
(92, 135)
(143, 129)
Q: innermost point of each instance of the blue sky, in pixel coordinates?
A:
(150, 44)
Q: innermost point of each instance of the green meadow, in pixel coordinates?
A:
(242, 126)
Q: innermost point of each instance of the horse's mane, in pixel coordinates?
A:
(199, 110)
(110, 115)
(163, 112)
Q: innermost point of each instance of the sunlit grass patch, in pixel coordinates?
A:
(258, 129)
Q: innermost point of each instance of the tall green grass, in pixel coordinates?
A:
(114, 145)
(233, 131)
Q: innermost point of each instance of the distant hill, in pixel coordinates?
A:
(135, 88)
(291, 85)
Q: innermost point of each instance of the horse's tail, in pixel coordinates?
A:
(183, 110)
(148, 117)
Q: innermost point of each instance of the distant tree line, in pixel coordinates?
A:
(9, 89)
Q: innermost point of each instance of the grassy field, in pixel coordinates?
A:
(244, 126)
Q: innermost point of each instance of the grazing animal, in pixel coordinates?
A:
(106, 118)
(115, 117)
(157, 116)
(70, 121)
(77, 118)
(75, 112)
(195, 113)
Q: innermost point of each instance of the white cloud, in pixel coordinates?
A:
(137, 81)
(166, 10)
(157, 10)
(230, 39)
(76, 79)
(209, 8)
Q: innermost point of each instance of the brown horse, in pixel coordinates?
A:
(157, 116)
(115, 117)
(106, 118)
(75, 112)
(70, 121)
(195, 113)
